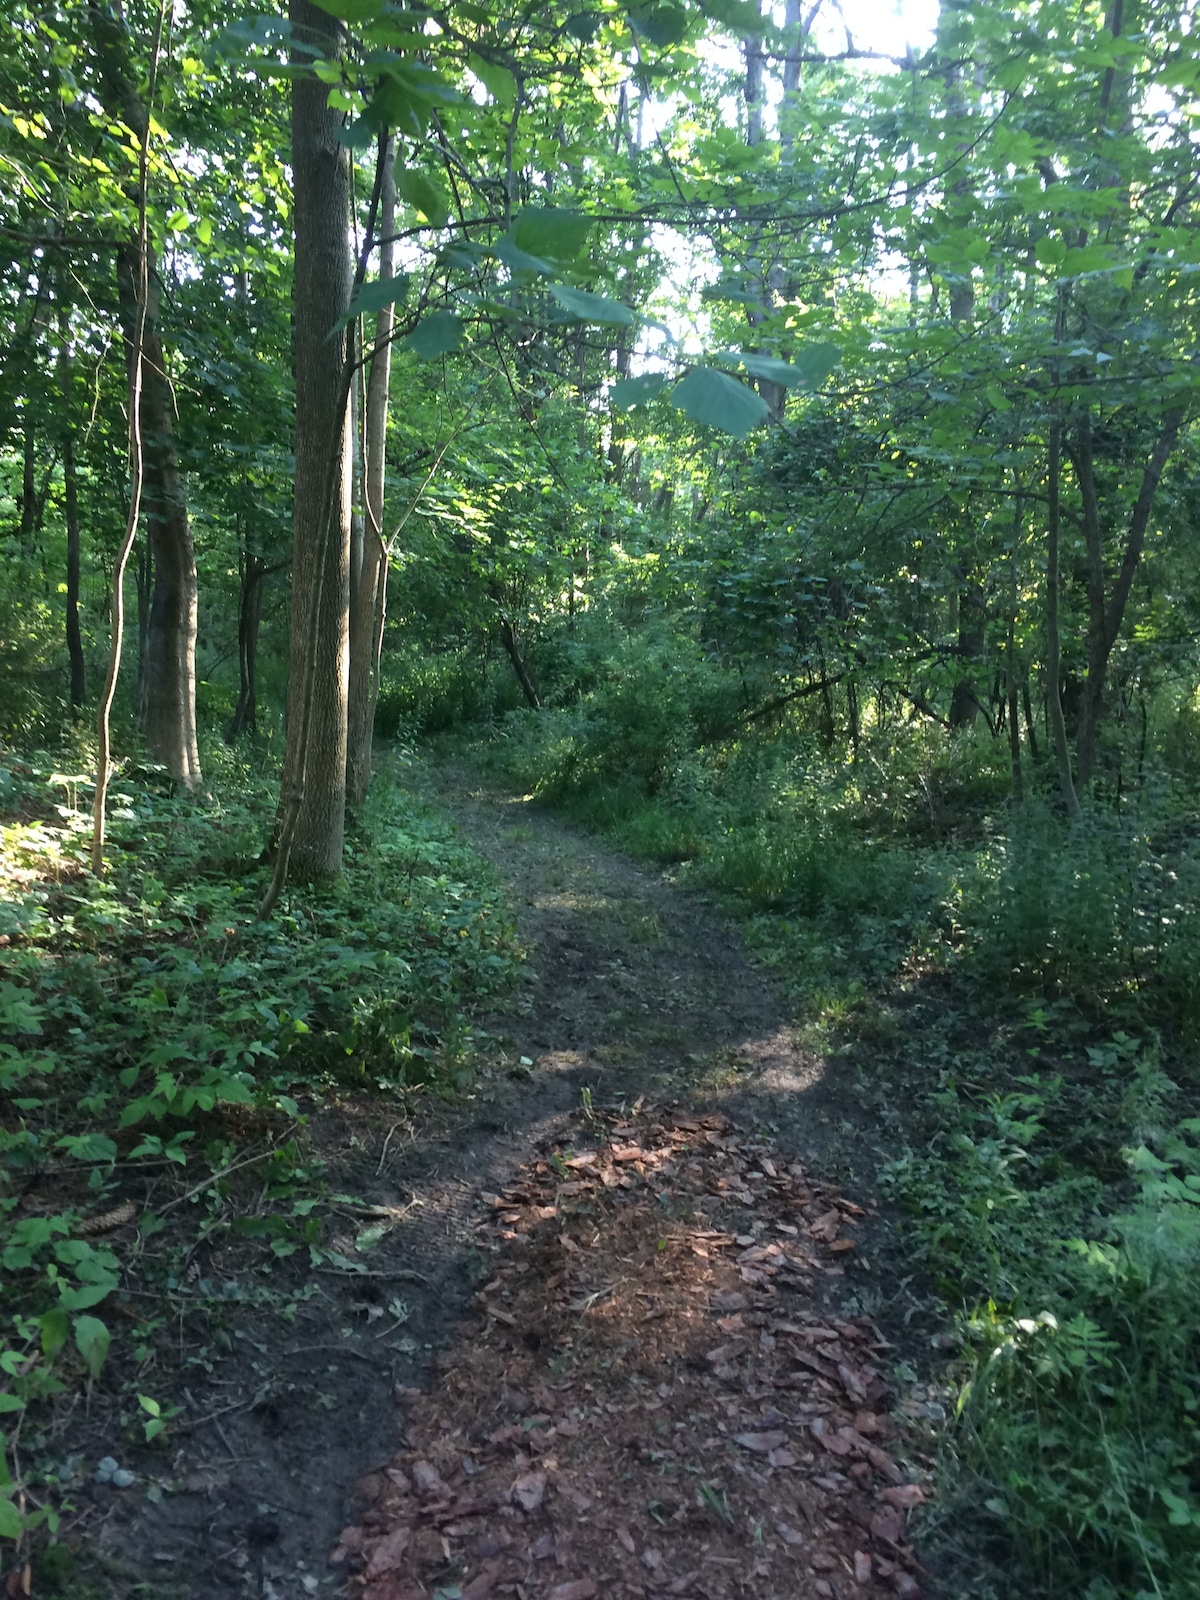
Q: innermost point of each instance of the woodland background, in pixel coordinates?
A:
(778, 456)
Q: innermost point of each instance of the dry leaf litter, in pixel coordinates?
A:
(648, 1401)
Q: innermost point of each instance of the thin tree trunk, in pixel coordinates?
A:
(314, 780)
(1106, 614)
(170, 665)
(1011, 674)
(1030, 729)
(1058, 727)
(244, 720)
(141, 289)
(369, 579)
(77, 683)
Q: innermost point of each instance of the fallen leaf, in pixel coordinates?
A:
(887, 1524)
(625, 1540)
(579, 1589)
(826, 1226)
(904, 1495)
(484, 1581)
(790, 1536)
(387, 1555)
(782, 1458)
(862, 1567)
(761, 1443)
(529, 1490)
(427, 1480)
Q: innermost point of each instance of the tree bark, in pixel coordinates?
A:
(169, 678)
(314, 777)
(1058, 727)
(254, 571)
(1106, 614)
(76, 681)
(369, 570)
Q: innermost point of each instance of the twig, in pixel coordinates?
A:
(403, 1274)
(216, 1177)
(222, 1411)
(386, 1142)
(338, 1349)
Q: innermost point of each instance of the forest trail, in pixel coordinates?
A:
(641, 1027)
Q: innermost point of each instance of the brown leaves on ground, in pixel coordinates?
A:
(648, 1403)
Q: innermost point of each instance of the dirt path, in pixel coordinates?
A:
(634, 989)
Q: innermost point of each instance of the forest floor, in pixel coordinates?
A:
(630, 1322)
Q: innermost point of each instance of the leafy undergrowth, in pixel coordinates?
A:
(1055, 1198)
(1019, 997)
(653, 1396)
(161, 1052)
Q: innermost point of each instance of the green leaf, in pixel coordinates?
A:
(639, 391)
(498, 81)
(10, 1402)
(1050, 253)
(423, 196)
(10, 1520)
(810, 368)
(438, 334)
(374, 296)
(591, 307)
(92, 1340)
(351, 10)
(54, 1327)
(583, 25)
(719, 401)
(551, 232)
(519, 260)
(664, 26)
(396, 106)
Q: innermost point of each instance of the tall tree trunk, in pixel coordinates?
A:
(1107, 613)
(169, 679)
(314, 780)
(77, 684)
(254, 571)
(1058, 727)
(369, 571)
(972, 638)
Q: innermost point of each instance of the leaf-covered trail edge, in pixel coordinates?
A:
(633, 990)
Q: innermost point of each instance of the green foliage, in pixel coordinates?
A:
(1078, 1419)
(150, 1018)
(1103, 910)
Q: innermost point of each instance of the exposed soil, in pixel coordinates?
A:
(635, 992)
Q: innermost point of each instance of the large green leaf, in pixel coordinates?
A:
(497, 80)
(92, 1340)
(423, 195)
(720, 401)
(374, 296)
(351, 10)
(551, 232)
(438, 334)
(639, 391)
(664, 26)
(591, 307)
(520, 260)
(809, 370)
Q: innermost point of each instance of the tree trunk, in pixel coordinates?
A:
(972, 638)
(77, 684)
(169, 678)
(1058, 727)
(369, 572)
(1105, 614)
(314, 779)
(244, 720)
